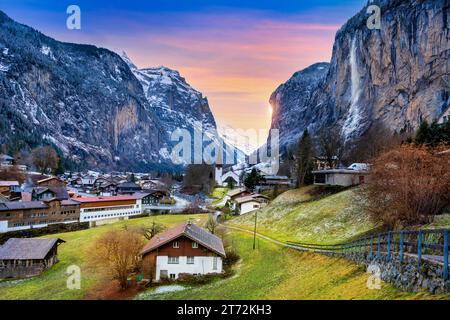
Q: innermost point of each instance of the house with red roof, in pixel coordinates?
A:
(184, 249)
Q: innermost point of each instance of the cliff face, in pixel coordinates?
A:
(398, 75)
(98, 109)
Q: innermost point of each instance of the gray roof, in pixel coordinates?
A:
(60, 192)
(27, 248)
(189, 230)
(6, 157)
(17, 205)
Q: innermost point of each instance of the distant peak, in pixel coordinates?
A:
(127, 60)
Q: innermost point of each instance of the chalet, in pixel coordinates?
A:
(45, 193)
(236, 193)
(128, 188)
(6, 160)
(51, 182)
(106, 189)
(24, 215)
(184, 249)
(9, 187)
(102, 210)
(249, 203)
(354, 175)
(151, 197)
(27, 257)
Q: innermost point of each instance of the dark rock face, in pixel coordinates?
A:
(398, 75)
(98, 109)
(172, 99)
(291, 102)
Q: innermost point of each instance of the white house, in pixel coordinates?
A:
(103, 210)
(250, 203)
(184, 249)
(354, 175)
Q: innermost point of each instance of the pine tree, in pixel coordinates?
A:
(305, 160)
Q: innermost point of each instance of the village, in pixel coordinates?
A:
(75, 201)
(183, 230)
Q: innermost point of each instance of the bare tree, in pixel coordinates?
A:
(45, 159)
(149, 231)
(330, 145)
(212, 224)
(12, 174)
(407, 186)
(117, 253)
(377, 139)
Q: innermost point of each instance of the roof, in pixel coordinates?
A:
(6, 157)
(190, 230)
(20, 205)
(235, 192)
(128, 185)
(48, 179)
(27, 248)
(252, 197)
(276, 178)
(60, 192)
(342, 171)
(104, 199)
(4, 183)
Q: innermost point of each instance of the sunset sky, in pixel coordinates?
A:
(235, 52)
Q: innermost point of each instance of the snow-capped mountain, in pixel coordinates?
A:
(177, 104)
(96, 108)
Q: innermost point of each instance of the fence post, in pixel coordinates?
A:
(371, 248)
(401, 247)
(389, 246)
(419, 247)
(379, 247)
(365, 247)
(445, 254)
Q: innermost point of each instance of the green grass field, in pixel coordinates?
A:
(219, 193)
(295, 216)
(272, 272)
(52, 283)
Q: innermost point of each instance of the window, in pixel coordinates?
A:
(175, 244)
(190, 260)
(215, 263)
(173, 260)
(173, 276)
(194, 245)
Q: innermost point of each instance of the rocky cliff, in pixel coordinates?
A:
(397, 75)
(96, 108)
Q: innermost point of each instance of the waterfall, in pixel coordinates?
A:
(354, 112)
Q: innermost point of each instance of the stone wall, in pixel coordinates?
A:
(406, 275)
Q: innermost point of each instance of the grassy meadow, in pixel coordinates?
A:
(272, 272)
(77, 251)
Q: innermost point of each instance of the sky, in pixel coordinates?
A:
(235, 52)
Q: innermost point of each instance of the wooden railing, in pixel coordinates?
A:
(429, 244)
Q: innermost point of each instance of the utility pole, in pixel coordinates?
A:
(254, 232)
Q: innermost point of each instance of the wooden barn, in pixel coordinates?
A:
(27, 257)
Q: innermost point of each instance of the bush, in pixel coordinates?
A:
(231, 257)
(408, 186)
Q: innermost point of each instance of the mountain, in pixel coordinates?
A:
(397, 76)
(95, 106)
(291, 102)
(178, 105)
